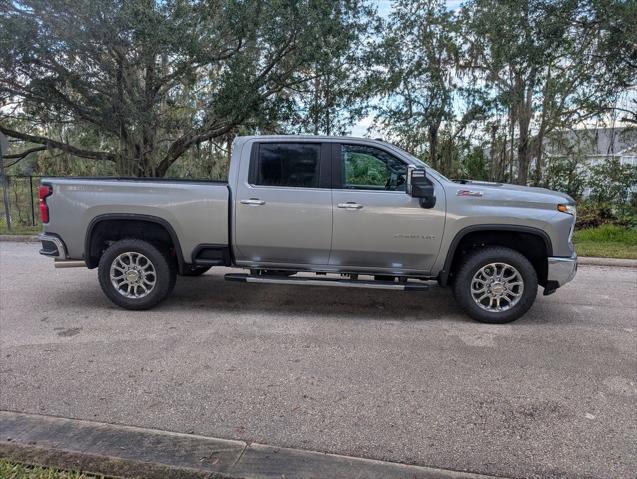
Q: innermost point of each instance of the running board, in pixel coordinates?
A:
(343, 283)
(69, 263)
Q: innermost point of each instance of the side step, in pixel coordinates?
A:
(343, 283)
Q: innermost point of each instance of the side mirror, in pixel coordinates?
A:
(419, 186)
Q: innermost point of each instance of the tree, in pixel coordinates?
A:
(544, 61)
(415, 75)
(337, 96)
(475, 165)
(147, 80)
(613, 23)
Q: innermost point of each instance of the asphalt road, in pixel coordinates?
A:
(396, 376)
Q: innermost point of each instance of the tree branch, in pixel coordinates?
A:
(186, 141)
(93, 155)
(19, 156)
(7, 165)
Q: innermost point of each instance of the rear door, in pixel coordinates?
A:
(283, 205)
(378, 226)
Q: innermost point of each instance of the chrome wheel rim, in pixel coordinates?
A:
(497, 287)
(133, 275)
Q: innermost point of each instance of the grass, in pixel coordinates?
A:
(12, 470)
(18, 229)
(606, 241)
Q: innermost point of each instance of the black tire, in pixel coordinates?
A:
(478, 259)
(165, 274)
(195, 270)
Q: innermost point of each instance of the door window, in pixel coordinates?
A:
(288, 164)
(369, 168)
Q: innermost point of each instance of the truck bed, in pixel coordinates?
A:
(196, 210)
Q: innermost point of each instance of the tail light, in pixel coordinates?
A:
(45, 191)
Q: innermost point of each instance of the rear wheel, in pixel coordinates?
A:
(135, 274)
(495, 285)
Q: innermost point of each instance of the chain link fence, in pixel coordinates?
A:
(22, 205)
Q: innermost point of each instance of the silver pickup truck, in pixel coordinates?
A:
(313, 210)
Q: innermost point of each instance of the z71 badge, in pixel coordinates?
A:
(468, 193)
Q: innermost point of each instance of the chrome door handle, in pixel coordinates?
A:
(253, 202)
(350, 206)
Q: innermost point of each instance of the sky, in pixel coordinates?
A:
(384, 6)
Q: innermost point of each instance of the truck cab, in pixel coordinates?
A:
(332, 205)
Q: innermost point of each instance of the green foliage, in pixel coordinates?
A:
(475, 165)
(11, 470)
(139, 83)
(18, 229)
(591, 214)
(23, 208)
(545, 65)
(362, 169)
(608, 183)
(565, 174)
(150, 87)
(617, 34)
(611, 183)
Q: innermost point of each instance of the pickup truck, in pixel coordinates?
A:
(315, 210)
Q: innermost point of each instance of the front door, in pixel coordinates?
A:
(376, 224)
(283, 211)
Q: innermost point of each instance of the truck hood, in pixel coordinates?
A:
(531, 191)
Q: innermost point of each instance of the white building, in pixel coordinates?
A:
(595, 145)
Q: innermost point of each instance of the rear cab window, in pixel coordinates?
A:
(296, 165)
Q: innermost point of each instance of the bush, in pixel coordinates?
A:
(611, 183)
(475, 165)
(565, 174)
(591, 214)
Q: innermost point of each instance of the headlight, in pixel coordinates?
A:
(569, 209)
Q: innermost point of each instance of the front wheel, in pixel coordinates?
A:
(135, 274)
(495, 285)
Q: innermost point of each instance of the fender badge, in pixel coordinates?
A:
(468, 193)
(414, 236)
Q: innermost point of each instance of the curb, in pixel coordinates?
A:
(582, 260)
(127, 451)
(616, 262)
(19, 238)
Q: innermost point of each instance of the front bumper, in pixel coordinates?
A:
(52, 246)
(560, 271)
